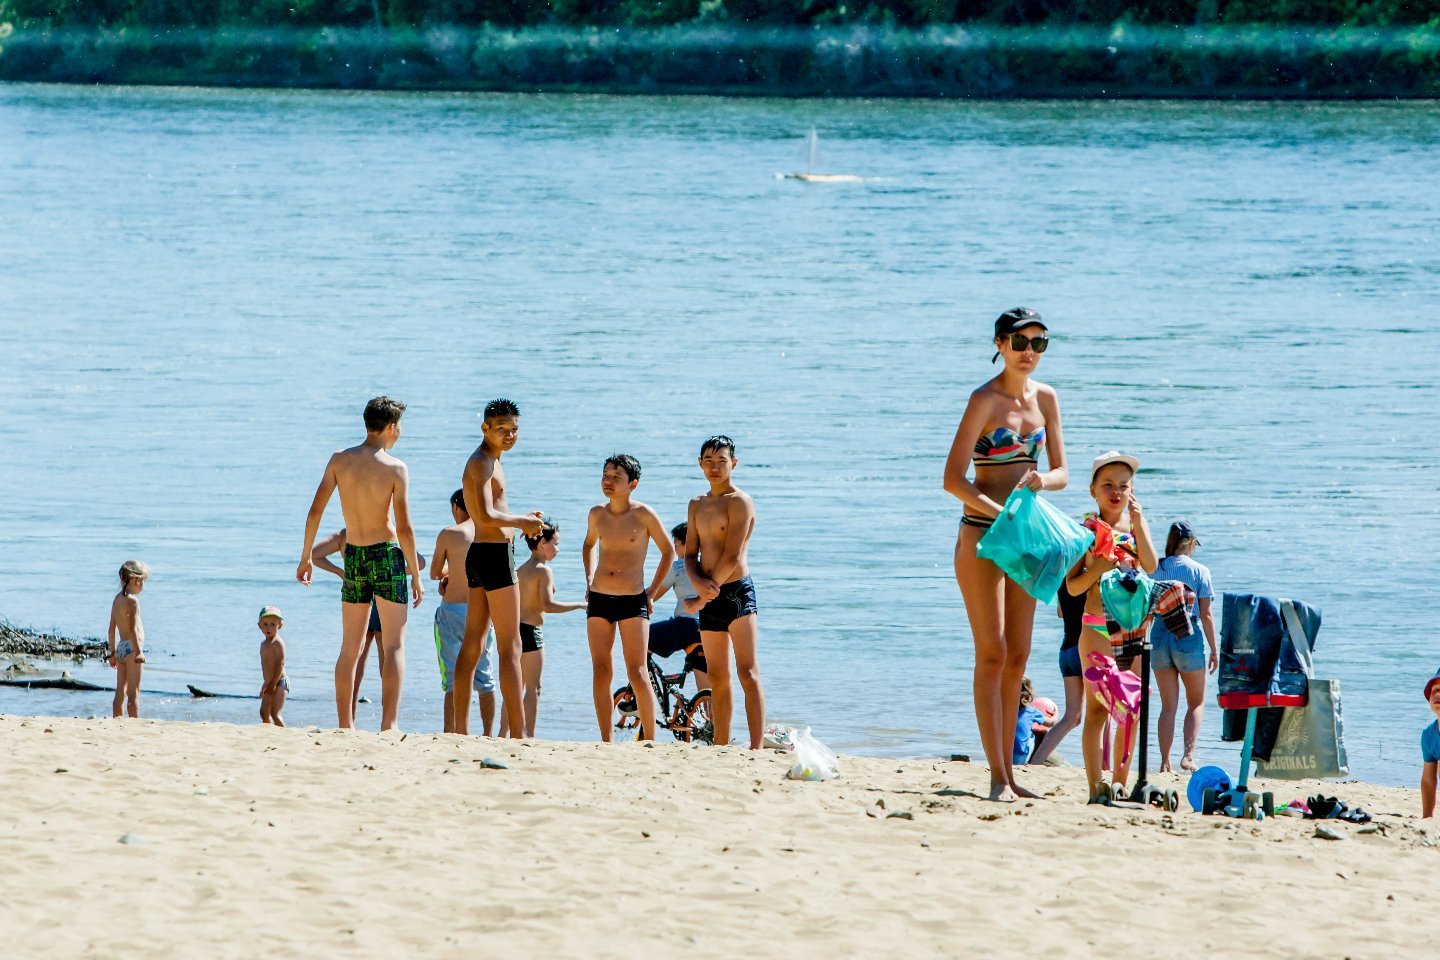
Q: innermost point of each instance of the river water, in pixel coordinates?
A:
(200, 289)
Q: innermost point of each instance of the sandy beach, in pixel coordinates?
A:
(147, 838)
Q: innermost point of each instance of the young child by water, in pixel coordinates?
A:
(126, 636)
(1430, 749)
(1112, 484)
(274, 685)
(618, 537)
(537, 598)
(717, 548)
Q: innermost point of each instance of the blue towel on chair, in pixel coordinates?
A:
(1256, 656)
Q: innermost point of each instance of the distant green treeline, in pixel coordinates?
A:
(401, 14)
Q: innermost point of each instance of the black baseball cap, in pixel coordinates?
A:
(1014, 319)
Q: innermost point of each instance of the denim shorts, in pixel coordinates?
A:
(1169, 653)
(1070, 662)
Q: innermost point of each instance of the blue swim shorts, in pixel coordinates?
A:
(449, 634)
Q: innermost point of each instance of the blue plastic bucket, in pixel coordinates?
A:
(1206, 778)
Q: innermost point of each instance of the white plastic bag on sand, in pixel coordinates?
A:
(813, 760)
(780, 737)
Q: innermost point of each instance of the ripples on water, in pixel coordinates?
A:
(202, 288)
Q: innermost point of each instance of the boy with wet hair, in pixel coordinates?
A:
(490, 567)
(380, 558)
(537, 598)
(717, 545)
(616, 541)
(451, 547)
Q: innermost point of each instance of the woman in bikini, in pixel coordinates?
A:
(1006, 424)
(1112, 484)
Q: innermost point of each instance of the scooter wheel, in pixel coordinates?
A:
(1171, 801)
(1209, 801)
(1267, 803)
(1250, 808)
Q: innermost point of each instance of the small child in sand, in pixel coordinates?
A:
(537, 598)
(274, 685)
(1030, 717)
(1430, 749)
(127, 652)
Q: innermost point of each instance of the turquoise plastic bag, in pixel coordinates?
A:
(1034, 544)
(1126, 596)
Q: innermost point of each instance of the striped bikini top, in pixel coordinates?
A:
(1003, 445)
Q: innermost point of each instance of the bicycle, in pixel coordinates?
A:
(687, 719)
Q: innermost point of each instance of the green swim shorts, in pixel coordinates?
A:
(375, 570)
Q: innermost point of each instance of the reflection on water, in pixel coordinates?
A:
(202, 288)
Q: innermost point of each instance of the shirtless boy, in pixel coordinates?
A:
(274, 685)
(320, 554)
(490, 567)
(371, 483)
(615, 593)
(537, 598)
(717, 545)
(126, 636)
(450, 548)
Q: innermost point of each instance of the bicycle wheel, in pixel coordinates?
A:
(698, 723)
(627, 712)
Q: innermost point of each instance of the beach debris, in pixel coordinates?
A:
(899, 815)
(35, 643)
(132, 839)
(1325, 833)
(960, 758)
(813, 760)
(62, 770)
(20, 668)
(490, 763)
(1372, 828)
(202, 791)
(780, 737)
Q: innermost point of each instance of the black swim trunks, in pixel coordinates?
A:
(531, 638)
(669, 637)
(607, 606)
(736, 600)
(375, 570)
(490, 566)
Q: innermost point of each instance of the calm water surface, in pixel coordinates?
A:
(201, 289)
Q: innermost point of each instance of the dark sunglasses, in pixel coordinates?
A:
(1018, 342)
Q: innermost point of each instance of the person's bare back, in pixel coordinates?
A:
(448, 564)
(367, 478)
(381, 563)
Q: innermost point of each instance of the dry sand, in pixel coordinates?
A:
(257, 842)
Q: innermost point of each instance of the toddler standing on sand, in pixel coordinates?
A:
(128, 652)
(1430, 749)
(275, 686)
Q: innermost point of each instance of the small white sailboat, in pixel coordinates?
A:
(811, 175)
